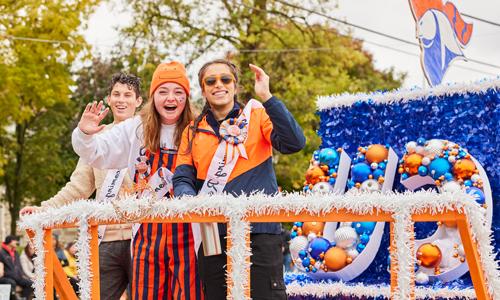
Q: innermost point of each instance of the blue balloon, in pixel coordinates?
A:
(404, 176)
(422, 171)
(306, 262)
(421, 141)
(302, 254)
(360, 247)
(364, 238)
(377, 173)
(350, 183)
(293, 234)
(317, 246)
(364, 227)
(299, 224)
(360, 172)
(477, 194)
(329, 157)
(468, 182)
(331, 181)
(448, 176)
(439, 167)
(381, 165)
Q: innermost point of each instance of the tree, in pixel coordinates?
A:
(303, 59)
(322, 64)
(40, 43)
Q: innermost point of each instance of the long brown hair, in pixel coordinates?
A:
(151, 123)
(201, 73)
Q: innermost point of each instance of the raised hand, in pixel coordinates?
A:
(91, 117)
(261, 83)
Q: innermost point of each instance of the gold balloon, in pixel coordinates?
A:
(412, 162)
(464, 169)
(335, 258)
(376, 153)
(314, 227)
(313, 175)
(429, 255)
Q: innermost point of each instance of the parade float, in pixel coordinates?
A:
(446, 138)
(417, 155)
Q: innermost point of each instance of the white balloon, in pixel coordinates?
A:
(345, 237)
(296, 244)
(322, 188)
(419, 150)
(345, 224)
(433, 147)
(352, 253)
(411, 146)
(452, 158)
(426, 161)
(475, 177)
(374, 165)
(451, 186)
(421, 278)
(311, 236)
(370, 185)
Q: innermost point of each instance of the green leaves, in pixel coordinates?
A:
(39, 44)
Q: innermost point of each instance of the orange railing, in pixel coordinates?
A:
(55, 278)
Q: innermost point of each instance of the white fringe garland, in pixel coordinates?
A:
(39, 264)
(405, 95)
(403, 234)
(83, 259)
(335, 289)
(234, 209)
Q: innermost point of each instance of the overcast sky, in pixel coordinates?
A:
(391, 17)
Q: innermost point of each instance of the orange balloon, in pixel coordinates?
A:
(429, 255)
(335, 258)
(313, 174)
(464, 169)
(315, 227)
(376, 153)
(412, 162)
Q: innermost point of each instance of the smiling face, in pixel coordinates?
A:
(170, 100)
(219, 87)
(123, 101)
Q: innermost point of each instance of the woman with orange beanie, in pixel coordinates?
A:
(164, 262)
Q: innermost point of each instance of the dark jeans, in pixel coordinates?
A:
(266, 272)
(115, 269)
(22, 282)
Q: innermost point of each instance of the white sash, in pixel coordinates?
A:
(160, 183)
(222, 166)
(109, 191)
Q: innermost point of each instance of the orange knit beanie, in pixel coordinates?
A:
(169, 72)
